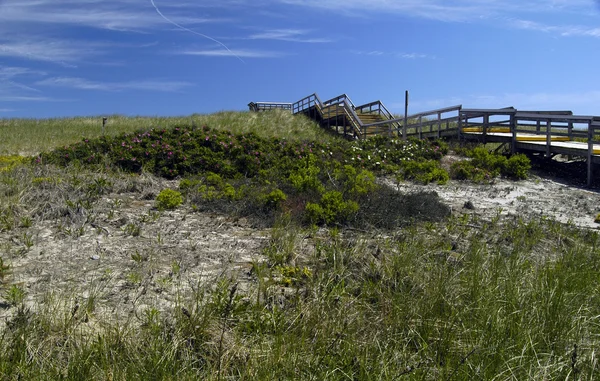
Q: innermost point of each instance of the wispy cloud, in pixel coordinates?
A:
(62, 52)
(244, 53)
(470, 11)
(7, 110)
(122, 15)
(290, 35)
(84, 84)
(7, 72)
(18, 98)
(557, 29)
(403, 55)
(11, 78)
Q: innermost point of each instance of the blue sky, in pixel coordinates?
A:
(178, 57)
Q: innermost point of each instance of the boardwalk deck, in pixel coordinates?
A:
(547, 132)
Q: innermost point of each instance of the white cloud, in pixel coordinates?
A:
(19, 98)
(290, 35)
(122, 15)
(404, 55)
(457, 10)
(62, 52)
(7, 72)
(243, 53)
(558, 29)
(84, 84)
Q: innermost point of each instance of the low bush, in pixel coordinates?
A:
(168, 199)
(517, 167)
(331, 209)
(424, 172)
(484, 166)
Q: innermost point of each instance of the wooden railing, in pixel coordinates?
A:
(266, 106)
(379, 108)
(342, 102)
(593, 138)
(486, 121)
(421, 124)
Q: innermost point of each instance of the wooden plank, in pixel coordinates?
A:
(542, 138)
(566, 112)
(554, 118)
(490, 129)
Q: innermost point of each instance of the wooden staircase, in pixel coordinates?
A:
(368, 118)
(341, 115)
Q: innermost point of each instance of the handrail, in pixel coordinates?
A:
(380, 109)
(345, 102)
(306, 103)
(421, 114)
(338, 99)
(263, 106)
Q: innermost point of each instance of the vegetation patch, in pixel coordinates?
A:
(316, 182)
(168, 199)
(483, 166)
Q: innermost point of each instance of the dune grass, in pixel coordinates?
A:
(461, 300)
(28, 137)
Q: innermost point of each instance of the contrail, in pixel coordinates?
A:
(194, 32)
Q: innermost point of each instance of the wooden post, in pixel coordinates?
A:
(104, 119)
(459, 123)
(439, 134)
(548, 137)
(513, 128)
(570, 130)
(590, 153)
(405, 115)
(486, 122)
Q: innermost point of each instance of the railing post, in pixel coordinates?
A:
(420, 127)
(486, 122)
(405, 115)
(513, 129)
(439, 132)
(548, 137)
(459, 124)
(590, 152)
(570, 130)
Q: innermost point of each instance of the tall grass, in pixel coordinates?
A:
(462, 300)
(31, 136)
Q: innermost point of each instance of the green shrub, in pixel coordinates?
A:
(355, 182)
(466, 170)
(306, 177)
(517, 167)
(483, 158)
(485, 166)
(168, 199)
(274, 199)
(331, 209)
(424, 171)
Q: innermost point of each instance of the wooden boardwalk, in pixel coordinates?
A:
(544, 132)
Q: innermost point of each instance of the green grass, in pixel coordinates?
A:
(28, 137)
(414, 305)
